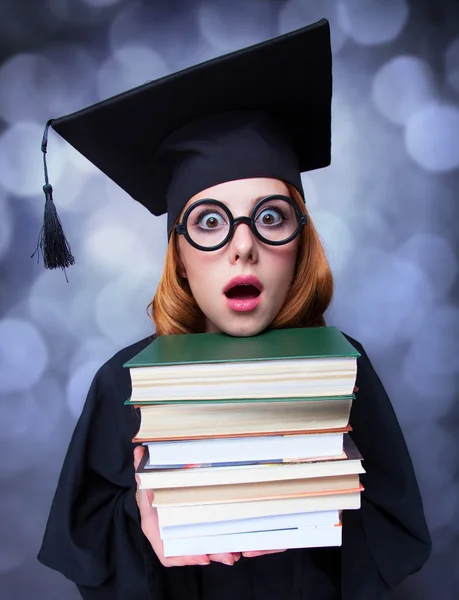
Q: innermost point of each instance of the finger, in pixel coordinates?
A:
(138, 453)
(184, 561)
(356, 389)
(150, 494)
(144, 502)
(255, 553)
(147, 497)
(226, 558)
(149, 523)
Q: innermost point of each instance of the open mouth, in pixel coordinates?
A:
(243, 292)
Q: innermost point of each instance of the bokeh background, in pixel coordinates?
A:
(387, 211)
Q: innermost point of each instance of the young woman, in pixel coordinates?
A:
(243, 256)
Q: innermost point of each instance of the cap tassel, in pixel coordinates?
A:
(52, 244)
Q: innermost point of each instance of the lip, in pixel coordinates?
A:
(239, 304)
(243, 305)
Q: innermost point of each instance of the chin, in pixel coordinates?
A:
(242, 328)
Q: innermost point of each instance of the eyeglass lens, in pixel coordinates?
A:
(275, 220)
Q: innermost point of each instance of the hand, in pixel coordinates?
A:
(150, 528)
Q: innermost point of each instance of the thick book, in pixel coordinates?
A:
(292, 521)
(210, 419)
(309, 537)
(175, 515)
(250, 471)
(302, 362)
(250, 448)
(212, 494)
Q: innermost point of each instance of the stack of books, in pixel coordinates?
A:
(247, 438)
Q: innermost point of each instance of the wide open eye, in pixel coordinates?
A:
(208, 224)
(270, 216)
(276, 220)
(209, 219)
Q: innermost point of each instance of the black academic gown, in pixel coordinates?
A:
(93, 534)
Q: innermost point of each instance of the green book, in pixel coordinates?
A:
(130, 402)
(276, 344)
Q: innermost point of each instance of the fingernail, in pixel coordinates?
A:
(203, 564)
(230, 563)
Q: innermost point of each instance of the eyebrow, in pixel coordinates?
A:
(254, 200)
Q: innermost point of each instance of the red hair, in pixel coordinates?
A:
(174, 309)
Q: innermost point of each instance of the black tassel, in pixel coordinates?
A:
(52, 244)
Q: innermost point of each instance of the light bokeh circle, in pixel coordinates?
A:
(18, 83)
(393, 300)
(403, 86)
(336, 238)
(172, 33)
(60, 80)
(23, 355)
(121, 306)
(298, 13)
(64, 310)
(432, 397)
(435, 346)
(129, 66)
(78, 385)
(228, 27)
(95, 350)
(21, 162)
(372, 22)
(435, 256)
(432, 137)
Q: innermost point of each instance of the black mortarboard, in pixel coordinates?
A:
(263, 111)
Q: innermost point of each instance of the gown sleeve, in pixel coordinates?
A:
(387, 539)
(93, 534)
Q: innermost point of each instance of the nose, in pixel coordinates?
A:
(243, 244)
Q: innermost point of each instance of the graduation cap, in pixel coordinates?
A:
(263, 111)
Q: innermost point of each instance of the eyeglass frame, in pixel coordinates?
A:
(181, 228)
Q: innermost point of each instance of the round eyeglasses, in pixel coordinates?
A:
(209, 224)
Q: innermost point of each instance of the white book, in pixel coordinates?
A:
(294, 521)
(291, 386)
(287, 447)
(332, 376)
(183, 515)
(240, 370)
(309, 537)
(199, 475)
(262, 490)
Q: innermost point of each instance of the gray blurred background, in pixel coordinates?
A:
(387, 211)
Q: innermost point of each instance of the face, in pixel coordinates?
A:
(265, 271)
